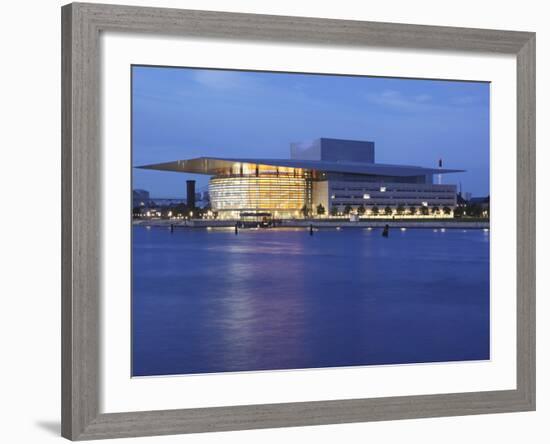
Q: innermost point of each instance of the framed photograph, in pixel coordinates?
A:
(278, 221)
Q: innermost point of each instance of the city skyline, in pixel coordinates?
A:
(180, 113)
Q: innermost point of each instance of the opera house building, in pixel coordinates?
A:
(321, 177)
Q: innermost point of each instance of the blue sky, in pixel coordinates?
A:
(180, 113)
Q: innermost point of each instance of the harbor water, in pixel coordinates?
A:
(208, 300)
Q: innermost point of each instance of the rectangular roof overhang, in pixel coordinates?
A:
(214, 165)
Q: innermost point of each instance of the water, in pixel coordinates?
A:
(208, 301)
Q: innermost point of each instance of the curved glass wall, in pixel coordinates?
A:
(280, 195)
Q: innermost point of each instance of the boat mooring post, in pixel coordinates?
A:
(311, 229)
(236, 228)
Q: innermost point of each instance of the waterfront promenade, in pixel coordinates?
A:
(327, 223)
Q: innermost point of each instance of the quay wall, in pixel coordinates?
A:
(392, 224)
(398, 223)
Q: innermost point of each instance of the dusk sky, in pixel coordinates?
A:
(180, 113)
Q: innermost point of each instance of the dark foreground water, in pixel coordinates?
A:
(209, 301)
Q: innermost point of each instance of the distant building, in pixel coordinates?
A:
(333, 174)
(140, 198)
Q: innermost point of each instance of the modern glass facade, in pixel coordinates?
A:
(281, 195)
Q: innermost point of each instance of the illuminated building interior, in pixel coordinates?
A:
(283, 196)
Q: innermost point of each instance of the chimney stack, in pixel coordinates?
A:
(191, 194)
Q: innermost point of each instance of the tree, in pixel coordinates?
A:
(447, 210)
(474, 210)
(435, 210)
(388, 211)
(305, 210)
(412, 210)
(334, 211)
(180, 209)
(361, 209)
(320, 209)
(400, 209)
(375, 210)
(424, 211)
(347, 209)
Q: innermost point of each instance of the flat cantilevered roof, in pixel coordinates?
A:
(214, 165)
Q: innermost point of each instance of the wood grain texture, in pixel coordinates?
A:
(119, 425)
(81, 231)
(80, 220)
(526, 221)
(230, 25)
(66, 225)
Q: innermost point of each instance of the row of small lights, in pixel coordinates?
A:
(442, 230)
(382, 189)
(209, 214)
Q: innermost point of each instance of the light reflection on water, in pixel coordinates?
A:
(209, 301)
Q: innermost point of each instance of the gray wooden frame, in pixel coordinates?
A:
(81, 168)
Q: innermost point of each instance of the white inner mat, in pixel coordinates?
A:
(120, 392)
